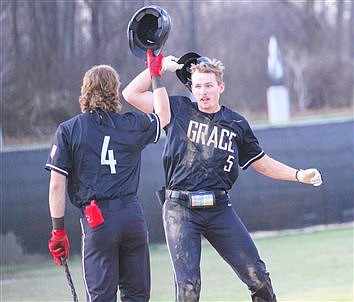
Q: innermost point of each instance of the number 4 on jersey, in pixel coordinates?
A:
(104, 152)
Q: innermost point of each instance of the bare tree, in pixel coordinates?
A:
(351, 48)
(95, 7)
(192, 37)
(309, 6)
(351, 31)
(47, 46)
(68, 36)
(339, 31)
(16, 36)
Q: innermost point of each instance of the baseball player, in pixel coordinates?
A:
(205, 144)
(98, 154)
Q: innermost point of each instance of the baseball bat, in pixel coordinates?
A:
(69, 279)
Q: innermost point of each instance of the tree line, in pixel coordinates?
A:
(48, 45)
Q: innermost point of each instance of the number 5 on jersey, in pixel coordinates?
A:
(104, 152)
(230, 162)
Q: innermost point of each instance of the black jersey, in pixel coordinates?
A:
(100, 153)
(203, 151)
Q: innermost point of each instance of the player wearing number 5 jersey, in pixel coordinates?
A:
(205, 145)
(98, 154)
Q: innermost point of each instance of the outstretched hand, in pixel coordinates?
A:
(309, 176)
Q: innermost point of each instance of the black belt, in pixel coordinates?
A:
(117, 203)
(183, 195)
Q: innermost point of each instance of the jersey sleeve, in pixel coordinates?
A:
(147, 124)
(249, 149)
(153, 126)
(59, 158)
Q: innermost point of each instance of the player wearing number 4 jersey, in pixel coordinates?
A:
(98, 154)
(205, 144)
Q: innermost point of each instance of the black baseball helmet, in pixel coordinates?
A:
(184, 74)
(148, 29)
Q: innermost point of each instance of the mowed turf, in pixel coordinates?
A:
(305, 266)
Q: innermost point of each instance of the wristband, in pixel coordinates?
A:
(156, 82)
(297, 171)
(58, 223)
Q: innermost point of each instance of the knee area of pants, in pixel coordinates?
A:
(257, 275)
(189, 292)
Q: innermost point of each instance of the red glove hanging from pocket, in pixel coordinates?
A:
(93, 215)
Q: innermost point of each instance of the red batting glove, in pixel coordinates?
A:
(59, 245)
(154, 63)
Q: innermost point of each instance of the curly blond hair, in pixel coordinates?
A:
(100, 89)
(215, 66)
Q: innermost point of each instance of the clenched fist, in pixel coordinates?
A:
(154, 63)
(309, 176)
(170, 64)
(58, 245)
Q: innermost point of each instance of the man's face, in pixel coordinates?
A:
(207, 91)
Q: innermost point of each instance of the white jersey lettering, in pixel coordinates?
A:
(222, 145)
(213, 138)
(202, 133)
(232, 135)
(191, 132)
(219, 138)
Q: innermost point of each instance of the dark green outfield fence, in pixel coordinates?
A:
(262, 203)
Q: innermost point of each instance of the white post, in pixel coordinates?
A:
(277, 93)
(278, 104)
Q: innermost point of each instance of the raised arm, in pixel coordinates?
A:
(161, 103)
(138, 93)
(277, 170)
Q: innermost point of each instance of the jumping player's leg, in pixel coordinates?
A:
(184, 245)
(232, 241)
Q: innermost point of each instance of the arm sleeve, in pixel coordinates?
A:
(155, 125)
(249, 149)
(59, 158)
(151, 123)
(146, 127)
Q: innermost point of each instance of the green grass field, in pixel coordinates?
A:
(305, 266)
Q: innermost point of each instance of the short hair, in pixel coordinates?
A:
(100, 89)
(215, 66)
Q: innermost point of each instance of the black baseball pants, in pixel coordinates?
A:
(116, 254)
(222, 227)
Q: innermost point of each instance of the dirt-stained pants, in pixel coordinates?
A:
(222, 227)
